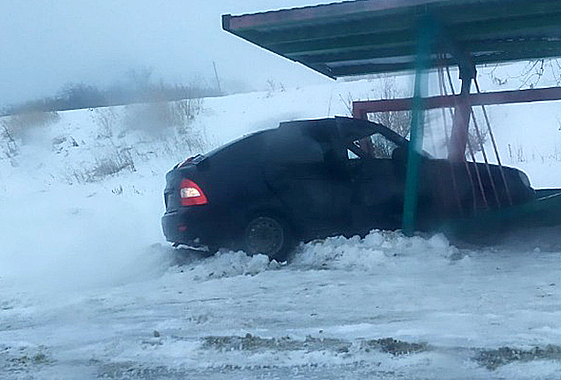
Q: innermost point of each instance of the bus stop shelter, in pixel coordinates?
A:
(384, 36)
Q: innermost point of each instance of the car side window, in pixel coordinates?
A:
(383, 148)
(352, 155)
(293, 148)
(306, 150)
(380, 148)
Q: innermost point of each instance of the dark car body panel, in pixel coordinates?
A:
(303, 172)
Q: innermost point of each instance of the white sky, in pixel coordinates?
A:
(45, 44)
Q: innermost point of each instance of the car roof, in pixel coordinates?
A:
(221, 148)
(348, 129)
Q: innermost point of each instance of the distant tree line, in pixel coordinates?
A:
(136, 89)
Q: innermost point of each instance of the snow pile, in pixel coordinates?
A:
(375, 251)
(378, 251)
(223, 264)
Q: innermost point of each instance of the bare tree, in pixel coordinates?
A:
(533, 73)
(398, 121)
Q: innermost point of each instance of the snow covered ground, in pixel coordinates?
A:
(90, 289)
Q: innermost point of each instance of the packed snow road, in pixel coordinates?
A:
(384, 306)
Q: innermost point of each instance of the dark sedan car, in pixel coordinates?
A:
(314, 178)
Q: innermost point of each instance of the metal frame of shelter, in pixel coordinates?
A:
(383, 36)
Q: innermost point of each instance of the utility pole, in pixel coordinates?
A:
(216, 75)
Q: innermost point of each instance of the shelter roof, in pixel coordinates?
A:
(377, 36)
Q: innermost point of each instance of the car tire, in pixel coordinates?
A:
(269, 235)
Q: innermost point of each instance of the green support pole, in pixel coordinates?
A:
(426, 34)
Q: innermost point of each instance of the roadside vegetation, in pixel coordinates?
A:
(136, 87)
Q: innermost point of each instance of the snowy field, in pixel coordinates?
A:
(89, 288)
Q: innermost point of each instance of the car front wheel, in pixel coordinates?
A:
(270, 236)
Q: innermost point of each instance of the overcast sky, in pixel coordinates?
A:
(45, 44)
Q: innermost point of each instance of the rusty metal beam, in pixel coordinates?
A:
(459, 136)
(485, 98)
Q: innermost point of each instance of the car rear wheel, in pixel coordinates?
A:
(268, 235)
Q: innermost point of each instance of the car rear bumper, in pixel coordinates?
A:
(194, 226)
(201, 225)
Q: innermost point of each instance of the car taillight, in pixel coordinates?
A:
(191, 194)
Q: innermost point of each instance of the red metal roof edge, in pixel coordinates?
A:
(232, 22)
